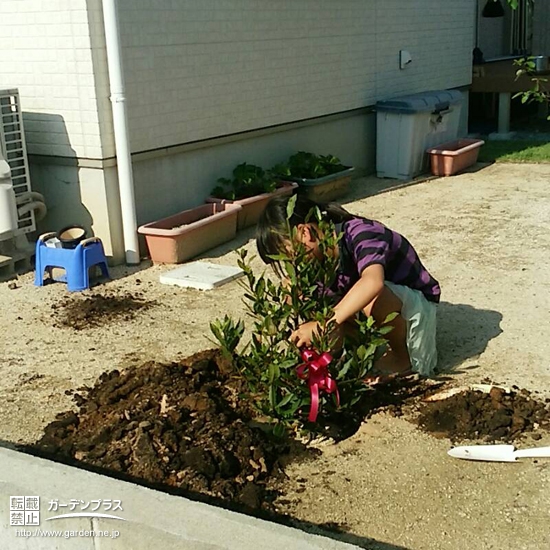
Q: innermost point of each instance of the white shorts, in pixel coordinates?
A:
(420, 315)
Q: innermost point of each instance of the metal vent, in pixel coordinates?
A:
(14, 149)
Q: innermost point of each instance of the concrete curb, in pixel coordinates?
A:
(152, 519)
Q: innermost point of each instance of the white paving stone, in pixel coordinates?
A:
(201, 275)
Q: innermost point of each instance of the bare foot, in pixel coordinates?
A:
(391, 363)
(379, 379)
(388, 368)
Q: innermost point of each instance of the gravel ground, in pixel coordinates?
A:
(485, 235)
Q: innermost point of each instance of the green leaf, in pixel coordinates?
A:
(371, 349)
(344, 370)
(285, 400)
(278, 257)
(291, 205)
(361, 352)
(298, 404)
(274, 373)
(291, 272)
(390, 317)
(279, 430)
(289, 363)
(272, 397)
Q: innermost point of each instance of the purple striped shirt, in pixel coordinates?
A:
(366, 242)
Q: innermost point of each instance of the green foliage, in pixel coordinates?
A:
(309, 166)
(540, 92)
(248, 181)
(228, 334)
(268, 361)
(515, 151)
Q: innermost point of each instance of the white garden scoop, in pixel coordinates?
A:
(497, 453)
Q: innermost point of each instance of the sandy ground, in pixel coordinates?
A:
(485, 235)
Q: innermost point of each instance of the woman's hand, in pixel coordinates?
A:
(304, 333)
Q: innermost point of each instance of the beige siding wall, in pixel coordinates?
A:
(46, 52)
(198, 69)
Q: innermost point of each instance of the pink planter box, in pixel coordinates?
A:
(182, 236)
(252, 207)
(450, 158)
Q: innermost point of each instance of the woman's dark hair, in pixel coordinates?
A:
(272, 230)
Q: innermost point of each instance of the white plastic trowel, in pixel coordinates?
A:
(497, 453)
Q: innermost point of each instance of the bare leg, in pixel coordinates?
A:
(396, 360)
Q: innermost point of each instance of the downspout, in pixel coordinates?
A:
(120, 124)
(476, 45)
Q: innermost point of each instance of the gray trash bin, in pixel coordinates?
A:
(408, 125)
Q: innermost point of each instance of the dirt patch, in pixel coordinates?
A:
(182, 425)
(393, 482)
(97, 310)
(186, 425)
(493, 416)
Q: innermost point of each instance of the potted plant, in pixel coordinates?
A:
(321, 177)
(184, 235)
(251, 187)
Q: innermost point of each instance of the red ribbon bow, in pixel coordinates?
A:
(315, 371)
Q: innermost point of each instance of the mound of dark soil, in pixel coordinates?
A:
(181, 425)
(494, 416)
(97, 310)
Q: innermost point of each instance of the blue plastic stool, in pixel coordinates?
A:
(76, 261)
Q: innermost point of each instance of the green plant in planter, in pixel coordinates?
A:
(309, 166)
(248, 181)
(268, 361)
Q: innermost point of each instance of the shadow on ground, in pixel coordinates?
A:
(369, 186)
(463, 332)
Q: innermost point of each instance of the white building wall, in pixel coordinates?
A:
(46, 52)
(196, 69)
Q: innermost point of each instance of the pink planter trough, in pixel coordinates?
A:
(453, 157)
(184, 235)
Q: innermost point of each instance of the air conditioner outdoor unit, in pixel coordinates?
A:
(14, 151)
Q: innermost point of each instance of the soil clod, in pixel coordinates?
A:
(181, 425)
(493, 416)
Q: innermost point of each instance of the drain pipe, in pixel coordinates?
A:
(120, 124)
(39, 208)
